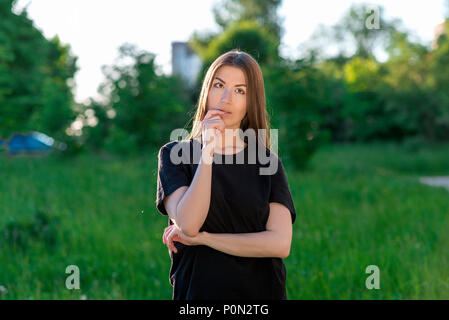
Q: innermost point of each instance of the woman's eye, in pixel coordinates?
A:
(220, 85)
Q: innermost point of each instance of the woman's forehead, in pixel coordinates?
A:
(230, 74)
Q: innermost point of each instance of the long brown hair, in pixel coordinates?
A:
(256, 114)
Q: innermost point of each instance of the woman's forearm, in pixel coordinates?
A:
(194, 205)
(258, 244)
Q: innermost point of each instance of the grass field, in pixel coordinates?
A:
(357, 205)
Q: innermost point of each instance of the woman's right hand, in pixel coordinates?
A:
(173, 233)
(211, 127)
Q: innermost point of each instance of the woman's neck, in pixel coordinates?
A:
(230, 140)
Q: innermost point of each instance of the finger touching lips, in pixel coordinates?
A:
(213, 112)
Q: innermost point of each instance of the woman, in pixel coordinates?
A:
(230, 226)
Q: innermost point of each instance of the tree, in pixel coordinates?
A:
(440, 85)
(35, 75)
(147, 104)
(228, 13)
(263, 12)
(246, 36)
(295, 95)
(355, 34)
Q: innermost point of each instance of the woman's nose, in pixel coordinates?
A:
(226, 96)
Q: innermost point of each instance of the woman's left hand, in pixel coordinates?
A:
(173, 233)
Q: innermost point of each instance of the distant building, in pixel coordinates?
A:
(438, 31)
(185, 62)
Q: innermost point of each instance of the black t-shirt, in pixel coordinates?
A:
(240, 198)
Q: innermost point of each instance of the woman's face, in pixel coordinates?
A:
(228, 93)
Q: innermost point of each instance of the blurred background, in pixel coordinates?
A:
(89, 92)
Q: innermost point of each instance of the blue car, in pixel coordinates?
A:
(34, 142)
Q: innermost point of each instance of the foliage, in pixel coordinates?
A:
(35, 75)
(246, 36)
(403, 98)
(263, 12)
(146, 105)
(295, 96)
(318, 97)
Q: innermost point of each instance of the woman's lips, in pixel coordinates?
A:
(227, 112)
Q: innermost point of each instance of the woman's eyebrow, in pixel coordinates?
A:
(237, 85)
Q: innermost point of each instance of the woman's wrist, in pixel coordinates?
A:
(207, 155)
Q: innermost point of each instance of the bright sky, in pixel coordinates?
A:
(95, 29)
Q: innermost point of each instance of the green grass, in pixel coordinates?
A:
(357, 205)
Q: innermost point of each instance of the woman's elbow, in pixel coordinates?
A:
(190, 232)
(186, 228)
(186, 225)
(281, 245)
(284, 251)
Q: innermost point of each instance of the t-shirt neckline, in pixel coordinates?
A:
(223, 154)
(231, 154)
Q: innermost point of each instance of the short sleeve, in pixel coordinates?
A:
(170, 177)
(280, 192)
